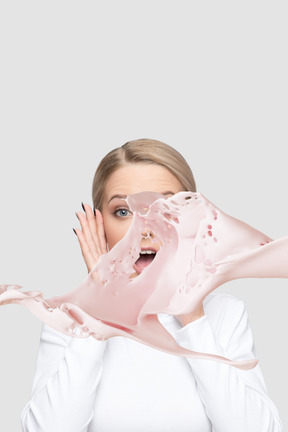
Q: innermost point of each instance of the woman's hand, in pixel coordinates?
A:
(91, 236)
(193, 316)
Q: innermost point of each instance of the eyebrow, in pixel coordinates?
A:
(125, 196)
(117, 196)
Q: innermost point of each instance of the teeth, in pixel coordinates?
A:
(147, 252)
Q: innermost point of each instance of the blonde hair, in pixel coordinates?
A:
(142, 151)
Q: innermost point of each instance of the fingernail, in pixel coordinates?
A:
(83, 207)
(76, 215)
(94, 211)
(74, 231)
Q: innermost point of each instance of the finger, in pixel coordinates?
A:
(94, 225)
(101, 231)
(91, 219)
(88, 235)
(85, 249)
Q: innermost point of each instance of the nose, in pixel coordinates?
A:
(155, 243)
(147, 233)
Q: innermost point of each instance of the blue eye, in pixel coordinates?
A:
(122, 212)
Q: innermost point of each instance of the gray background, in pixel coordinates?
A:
(80, 78)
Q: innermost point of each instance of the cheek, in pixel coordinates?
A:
(115, 230)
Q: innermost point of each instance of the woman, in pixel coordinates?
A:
(122, 385)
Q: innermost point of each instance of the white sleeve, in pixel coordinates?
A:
(235, 400)
(67, 372)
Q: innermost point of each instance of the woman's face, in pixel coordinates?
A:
(128, 180)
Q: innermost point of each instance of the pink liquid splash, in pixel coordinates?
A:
(201, 248)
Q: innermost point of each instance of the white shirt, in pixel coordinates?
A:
(119, 385)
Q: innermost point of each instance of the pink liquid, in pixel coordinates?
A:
(202, 248)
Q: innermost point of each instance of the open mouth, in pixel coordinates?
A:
(146, 256)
